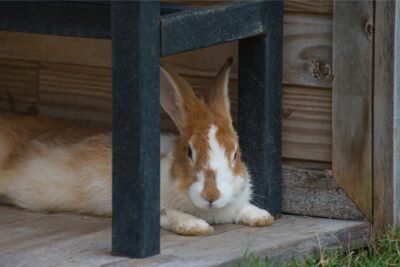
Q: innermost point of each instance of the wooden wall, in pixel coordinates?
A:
(71, 78)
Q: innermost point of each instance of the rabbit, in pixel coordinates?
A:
(49, 167)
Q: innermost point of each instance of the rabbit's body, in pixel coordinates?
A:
(46, 166)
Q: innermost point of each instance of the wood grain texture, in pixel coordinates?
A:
(84, 94)
(307, 125)
(75, 92)
(307, 46)
(298, 6)
(307, 51)
(316, 193)
(37, 239)
(352, 103)
(18, 86)
(386, 130)
(309, 6)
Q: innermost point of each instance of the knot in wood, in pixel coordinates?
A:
(321, 71)
(369, 28)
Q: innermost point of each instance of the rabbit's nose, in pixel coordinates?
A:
(210, 191)
(210, 195)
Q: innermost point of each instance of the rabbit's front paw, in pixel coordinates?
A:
(193, 227)
(255, 217)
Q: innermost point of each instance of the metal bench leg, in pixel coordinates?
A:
(136, 153)
(260, 97)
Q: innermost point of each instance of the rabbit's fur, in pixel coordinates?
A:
(46, 166)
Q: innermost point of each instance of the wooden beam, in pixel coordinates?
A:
(351, 100)
(260, 109)
(386, 129)
(188, 30)
(84, 19)
(296, 6)
(307, 42)
(136, 128)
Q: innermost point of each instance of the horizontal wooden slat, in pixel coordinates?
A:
(75, 92)
(306, 58)
(307, 46)
(309, 6)
(298, 6)
(84, 93)
(73, 18)
(183, 31)
(18, 85)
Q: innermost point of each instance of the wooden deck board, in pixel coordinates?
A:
(35, 239)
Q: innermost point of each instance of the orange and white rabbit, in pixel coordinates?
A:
(45, 166)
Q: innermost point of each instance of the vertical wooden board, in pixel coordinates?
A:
(18, 85)
(352, 104)
(386, 130)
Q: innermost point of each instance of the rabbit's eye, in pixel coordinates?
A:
(234, 156)
(189, 153)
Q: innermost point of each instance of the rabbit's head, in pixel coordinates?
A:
(206, 163)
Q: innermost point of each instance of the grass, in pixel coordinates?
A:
(384, 250)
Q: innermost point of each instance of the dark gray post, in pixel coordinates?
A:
(260, 101)
(136, 153)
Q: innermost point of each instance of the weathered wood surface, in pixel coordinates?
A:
(74, 79)
(386, 132)
(35, 239)
(307, 51)
(75, 92)
(19, 85)
(316, 193)
(309, 6)
(298, 6)
(84, 93)
(352, 100)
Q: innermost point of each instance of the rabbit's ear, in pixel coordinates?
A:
(177, 96)
(218, 99)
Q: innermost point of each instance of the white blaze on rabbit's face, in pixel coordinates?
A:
(206, 159)
(216, 182)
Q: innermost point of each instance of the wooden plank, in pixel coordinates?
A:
(58, 49)
(83, 94)
(316, 193)
(386, 130)
(85, 19)
(260, 100)
(309, 6)
(188, 30)
(37, 239)
(307, 127)
(297, 6)
(352, 103)
(289, 237)
(18, 86)
(75, 92)
(307, 46)
(135, 128)
(307, 51)
(307, 57)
